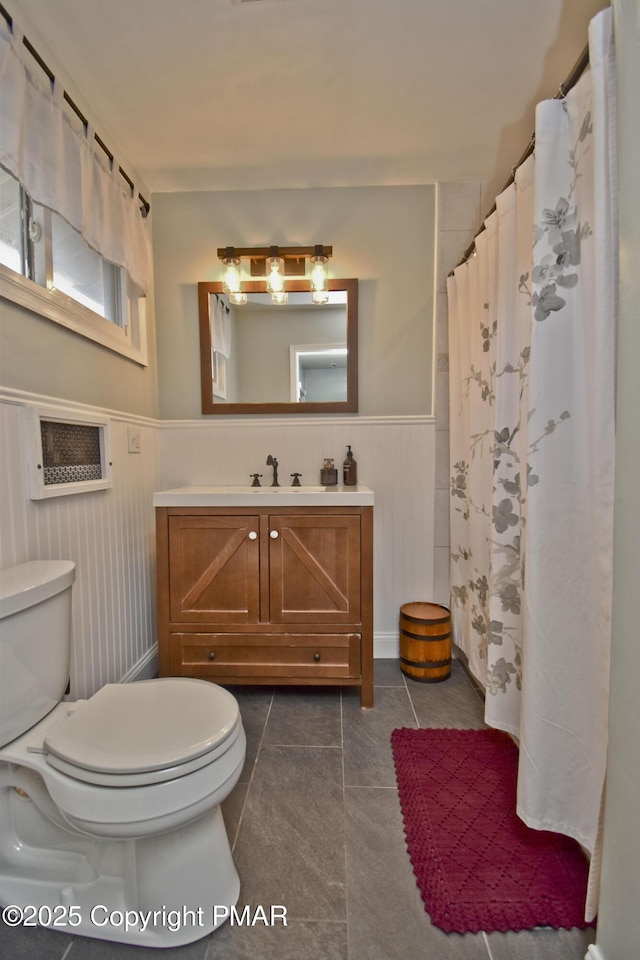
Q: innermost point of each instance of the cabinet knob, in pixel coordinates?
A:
(274, 534)
(212, 655)
(253, 535)
(316, 657)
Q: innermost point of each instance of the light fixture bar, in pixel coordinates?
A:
(261, 253)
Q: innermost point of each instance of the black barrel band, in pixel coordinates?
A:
(426, 663)
(416, 636)
(423, 620)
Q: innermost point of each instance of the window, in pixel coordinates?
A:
(11, 246)
(82, 273)
(48, 267)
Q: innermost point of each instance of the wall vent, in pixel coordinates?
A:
(66, 453)
(70, 452)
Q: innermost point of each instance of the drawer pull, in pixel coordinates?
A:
(316, 657)
(253, 535)
(274, 534)
(212, 655)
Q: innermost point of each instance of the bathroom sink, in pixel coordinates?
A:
(245, 496)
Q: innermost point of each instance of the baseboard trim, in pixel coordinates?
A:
(594, 953)
(146, 668)
(386, 646)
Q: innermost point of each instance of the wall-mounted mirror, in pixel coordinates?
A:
(260, 357)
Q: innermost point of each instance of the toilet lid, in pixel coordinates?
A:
(140, 727)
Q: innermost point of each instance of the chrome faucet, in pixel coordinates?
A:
(272, 462)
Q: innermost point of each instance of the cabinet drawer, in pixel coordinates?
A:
(266, 655)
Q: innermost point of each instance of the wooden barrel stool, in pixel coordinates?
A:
(425, 642)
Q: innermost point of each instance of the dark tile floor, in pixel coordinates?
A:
(316, 826)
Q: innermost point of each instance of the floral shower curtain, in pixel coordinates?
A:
(532, 344)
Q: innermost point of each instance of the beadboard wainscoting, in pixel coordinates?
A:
(109, 535)
(395, 456)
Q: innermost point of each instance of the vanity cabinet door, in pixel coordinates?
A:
(214, 566)
(314, 569)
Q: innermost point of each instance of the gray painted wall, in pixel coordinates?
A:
(381, 235)
(263, 344)
(42, 357)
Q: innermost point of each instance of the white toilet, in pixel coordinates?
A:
(110, 821)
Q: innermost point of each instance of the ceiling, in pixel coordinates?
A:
(249, 94)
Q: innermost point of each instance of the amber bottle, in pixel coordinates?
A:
(349, 470)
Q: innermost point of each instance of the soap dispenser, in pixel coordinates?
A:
(350, 470)
(328, 473)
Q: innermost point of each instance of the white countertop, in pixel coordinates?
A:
(246, 496)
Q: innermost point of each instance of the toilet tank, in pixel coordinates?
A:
(35, 641)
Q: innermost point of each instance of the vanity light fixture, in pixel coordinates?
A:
(276, 264)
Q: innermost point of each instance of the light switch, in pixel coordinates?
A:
(134, 437)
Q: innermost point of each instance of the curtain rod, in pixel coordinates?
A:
(579, 67)
(145, 205)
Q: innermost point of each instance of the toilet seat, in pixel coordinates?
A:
(144, 733)
(128, 807)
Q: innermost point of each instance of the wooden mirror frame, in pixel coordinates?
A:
(211, 406)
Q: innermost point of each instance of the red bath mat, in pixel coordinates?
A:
(477, 865)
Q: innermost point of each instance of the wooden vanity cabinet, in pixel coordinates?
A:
(274, 595)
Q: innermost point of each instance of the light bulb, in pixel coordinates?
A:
(275, 274)
(320, 296)
(318, 272)
(279, 296)
(238, 298)
(231, 278)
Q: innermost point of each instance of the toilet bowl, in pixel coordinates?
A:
(110, 821)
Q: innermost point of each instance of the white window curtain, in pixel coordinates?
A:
(532, 345)
(59, 167)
